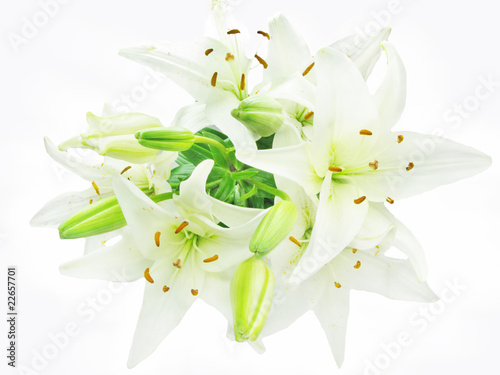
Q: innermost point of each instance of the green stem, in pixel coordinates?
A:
(217, 145)
(212, 184)
(271, 190)
(161, 197)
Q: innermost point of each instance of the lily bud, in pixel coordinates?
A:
(114, 136)
(168, 139)
(273, 228)
(101, 217)
(251, 298)
(261, 114)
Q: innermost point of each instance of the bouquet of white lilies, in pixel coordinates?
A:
(267, 196)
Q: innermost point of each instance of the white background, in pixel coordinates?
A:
(71, 66)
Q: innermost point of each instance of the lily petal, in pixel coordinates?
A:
(99, 172)
(332, 312)
(192, 117)
(97, 242)
(217, 294)
(342, 91)
(64, 206)
(407, 243)
(288, 134)
(121, 262)
(289, 162)
(365, 50)
(229, 244)
(288, 52)
(338, 221)
(161, 312)
(437, 161)
(232, 215)
(391, 95)
(392, 278)
(294, 88)
(146, 217)
(185, 63)
(291, 302)
(193, 198)
(377, 227)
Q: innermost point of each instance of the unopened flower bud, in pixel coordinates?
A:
(168, 139)
(261, 114)
(101, 217)
(98, 218)
(114, 136)
(251, 298)
(273, 228)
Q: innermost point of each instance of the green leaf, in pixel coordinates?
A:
(243, 175)
(197, 153)
(217, 173)
(248, 195)
(225, 188)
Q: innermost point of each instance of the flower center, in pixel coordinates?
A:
(364, 166)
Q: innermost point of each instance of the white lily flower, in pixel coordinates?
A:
(360, 266)
(354, 159)
(179, 248)
(216, 71)
(99, 173)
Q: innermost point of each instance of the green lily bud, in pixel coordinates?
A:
(273, 228)
(168, 139)
(114, 136)
(101, 217)
(260, 114)
(251, 298)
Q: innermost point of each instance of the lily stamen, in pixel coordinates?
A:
(335, 169)
(233, 31)
(165, 289)
(242, 83)
(147, 276)
(295, 241)
(183, 225)
(177, 263)
(262, 61)
(125, 169)
(308, 69)
(410, 166)
(337, 285)
(360, 200)
(308, 115)
(389, 200)
(214, 80)
(365, 132)
(211, 259)
(209, 51)
(264, 34)
(157, 239)
(229, 56)
(400, 138)
(194, 292)
(94, 185)
(354, 251)
(357, 265)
